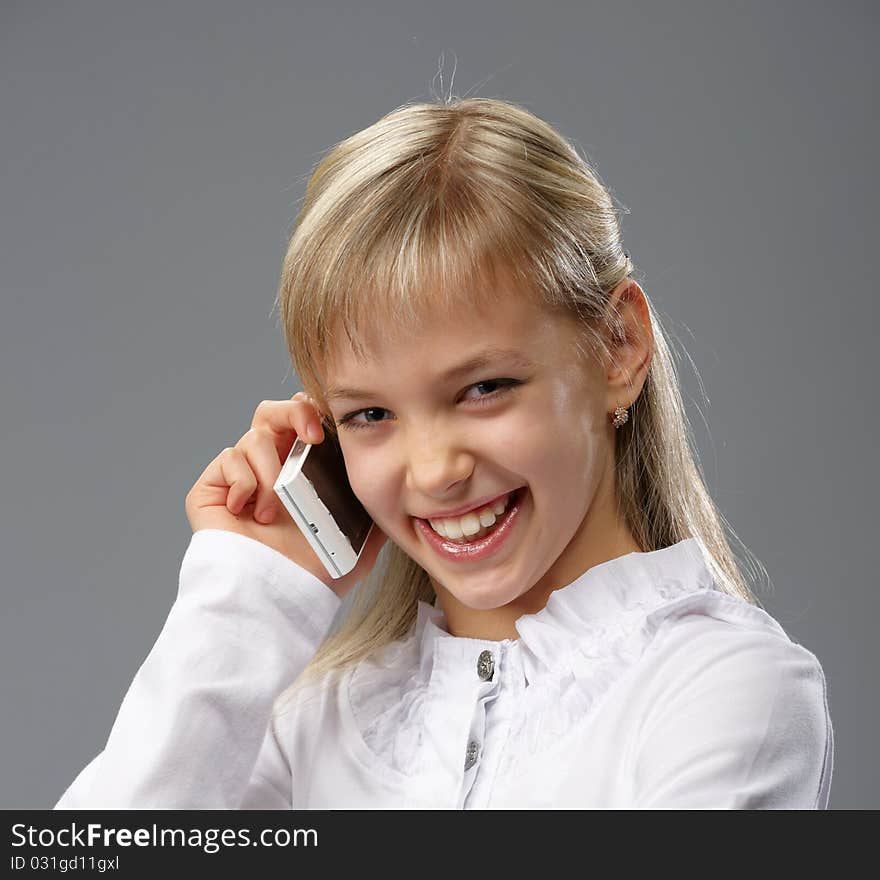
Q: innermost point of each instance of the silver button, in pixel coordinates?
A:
(473, 750)
(486, 666)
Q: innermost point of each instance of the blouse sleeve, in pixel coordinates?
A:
(194, 730)
(742, 722)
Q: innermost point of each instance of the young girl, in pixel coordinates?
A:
(547, 613)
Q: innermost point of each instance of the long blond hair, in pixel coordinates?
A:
(412, 211)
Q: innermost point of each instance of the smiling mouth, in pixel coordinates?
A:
(458, 537)
(478, 547)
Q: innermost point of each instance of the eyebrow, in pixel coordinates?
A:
(478, 361)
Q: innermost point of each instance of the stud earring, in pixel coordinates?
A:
(621, 416)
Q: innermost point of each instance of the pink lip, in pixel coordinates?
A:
(461, 511)
(483, 548)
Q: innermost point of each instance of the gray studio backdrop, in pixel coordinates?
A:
(153, 158)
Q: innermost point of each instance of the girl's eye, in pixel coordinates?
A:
(506, 385)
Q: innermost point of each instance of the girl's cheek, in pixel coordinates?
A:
(367, 487)
(524, 437)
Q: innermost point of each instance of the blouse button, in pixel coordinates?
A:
(473, 749)
(485, 666)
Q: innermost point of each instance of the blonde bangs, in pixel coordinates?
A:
(406, 270)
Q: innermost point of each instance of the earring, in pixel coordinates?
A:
(621, 416)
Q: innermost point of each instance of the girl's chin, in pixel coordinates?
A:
(474, 589)
(484, 603)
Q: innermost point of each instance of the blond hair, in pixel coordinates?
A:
(423, 208)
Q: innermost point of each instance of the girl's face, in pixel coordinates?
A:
(423, 437)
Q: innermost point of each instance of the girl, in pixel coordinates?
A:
(547, 613)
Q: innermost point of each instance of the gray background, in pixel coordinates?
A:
(153, 159)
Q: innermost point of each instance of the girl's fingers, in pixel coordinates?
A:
(264, 462)
(288, 419)
(251, 467)
(236, 473)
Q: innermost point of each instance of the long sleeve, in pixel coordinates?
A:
(194, 729)
(743, 723)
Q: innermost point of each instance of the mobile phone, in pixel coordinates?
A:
(314, 488)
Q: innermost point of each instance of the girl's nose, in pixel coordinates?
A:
(436, 469)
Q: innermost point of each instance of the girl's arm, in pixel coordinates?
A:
(196, 717)
(742, 723)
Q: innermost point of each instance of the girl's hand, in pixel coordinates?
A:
(235, 491)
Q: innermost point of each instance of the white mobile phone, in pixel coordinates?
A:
(314, 488)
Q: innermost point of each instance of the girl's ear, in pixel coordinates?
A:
(630, 340)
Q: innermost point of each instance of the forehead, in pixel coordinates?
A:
(442, 335)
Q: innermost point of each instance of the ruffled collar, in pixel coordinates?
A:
(573, 650)
(585, 618)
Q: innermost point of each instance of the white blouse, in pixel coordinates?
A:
(638, 685)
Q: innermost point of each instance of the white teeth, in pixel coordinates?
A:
(471, 523)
